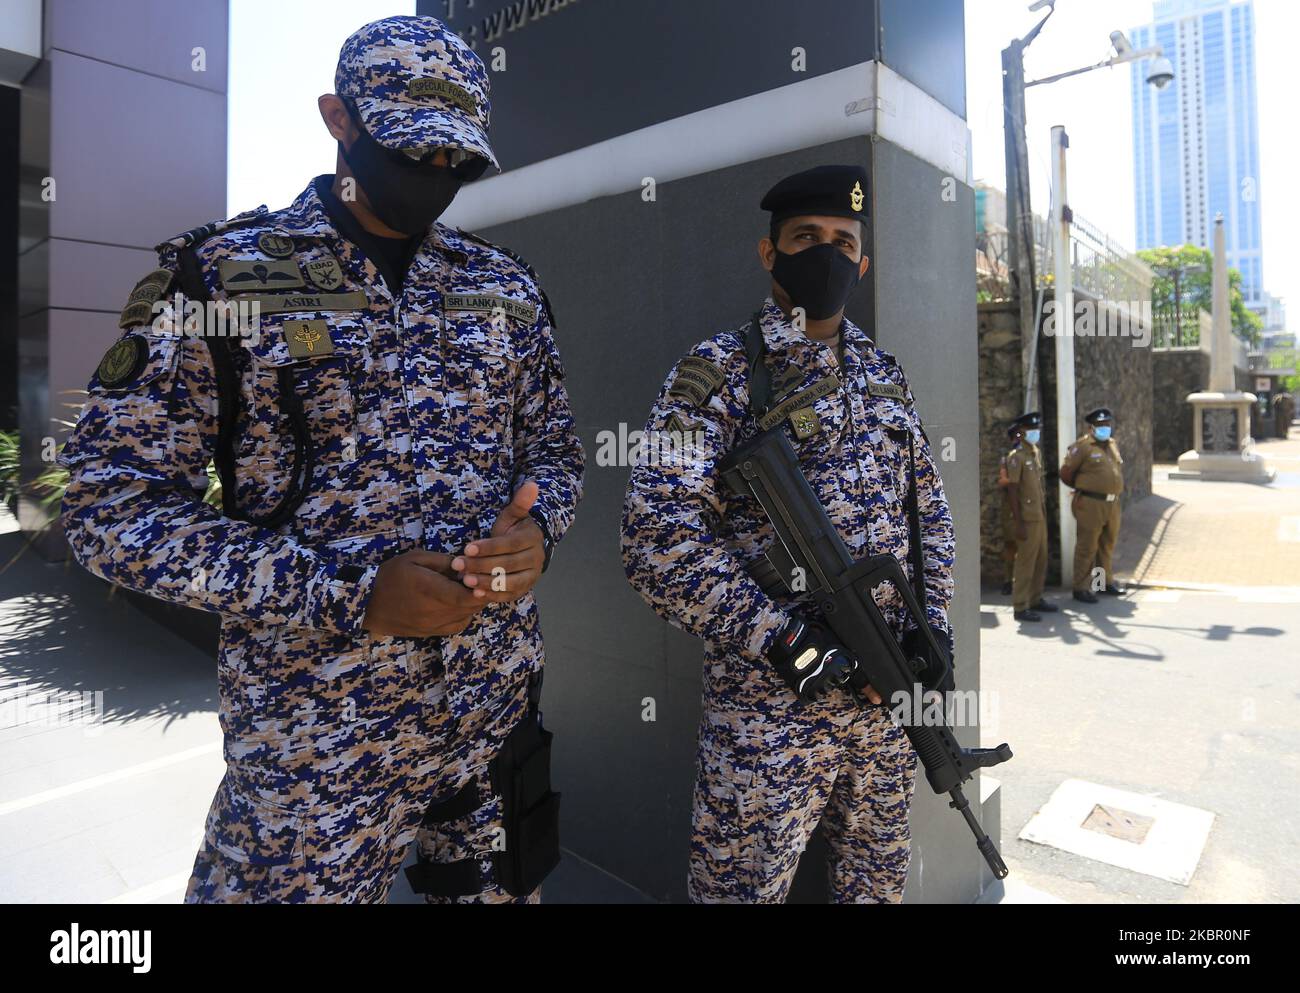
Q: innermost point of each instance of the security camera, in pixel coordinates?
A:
(1160, 72)
(1121, 43)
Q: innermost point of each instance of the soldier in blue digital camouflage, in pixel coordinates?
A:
(398, 458)
(781, 748)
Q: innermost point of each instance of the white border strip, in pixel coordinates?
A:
(864, 99)
(117, 775)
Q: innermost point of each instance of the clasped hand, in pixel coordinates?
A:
(421, 593)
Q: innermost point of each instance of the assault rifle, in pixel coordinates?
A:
(808, 545)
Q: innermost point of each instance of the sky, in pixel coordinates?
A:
(1096, 111)
(272, 157)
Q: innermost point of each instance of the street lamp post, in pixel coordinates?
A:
(1020, 224)
(1020, 219)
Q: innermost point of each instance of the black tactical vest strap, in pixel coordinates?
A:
(760, 379)
(223, 366)
(760, 388)
(221, 348)
(914, 525)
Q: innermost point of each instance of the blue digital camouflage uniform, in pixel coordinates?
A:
(770, 768)
(426, 411)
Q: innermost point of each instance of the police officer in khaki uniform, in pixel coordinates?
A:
(1008, 521)
(1024, 467)
(1094, 468)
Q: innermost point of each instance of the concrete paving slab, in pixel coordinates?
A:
(1172, 835)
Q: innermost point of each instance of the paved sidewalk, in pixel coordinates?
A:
(1184, 690)
(102, 802)
(1217, 534)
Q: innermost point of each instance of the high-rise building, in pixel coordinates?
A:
(1196, 142)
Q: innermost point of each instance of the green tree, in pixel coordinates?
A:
(1197, 288)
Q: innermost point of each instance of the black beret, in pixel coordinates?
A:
(1099, 415)
(1033, 419)
(833, 191)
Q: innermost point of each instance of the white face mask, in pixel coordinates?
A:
(1032, 436)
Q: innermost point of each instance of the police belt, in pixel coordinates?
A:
(1104, 497)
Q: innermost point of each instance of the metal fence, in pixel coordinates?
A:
(1104, 268)
(1101, 266)
(1195, 330)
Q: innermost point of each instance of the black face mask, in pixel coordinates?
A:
(406, 196)
(819, 279)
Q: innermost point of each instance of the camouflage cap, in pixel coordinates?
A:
(416, 84)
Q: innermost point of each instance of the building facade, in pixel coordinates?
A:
(120, 144)
(1196, 142)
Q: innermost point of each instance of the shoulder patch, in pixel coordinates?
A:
(696, 380)
(679, 425)
(523, 264)
(123, 361)
(275, 245)
(145, 293)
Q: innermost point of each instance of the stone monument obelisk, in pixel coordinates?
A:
(1223, 448)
